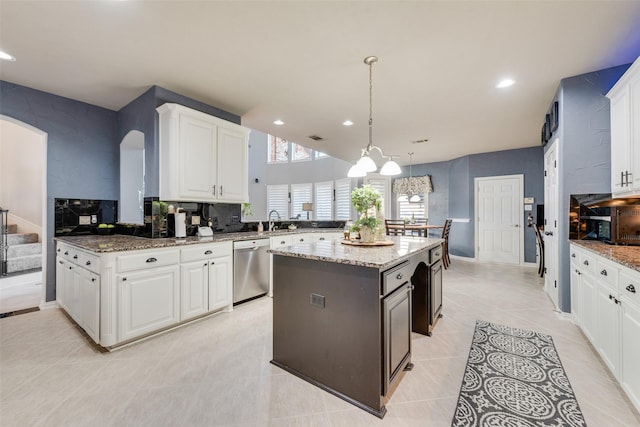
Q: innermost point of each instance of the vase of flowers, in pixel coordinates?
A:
(368, 202)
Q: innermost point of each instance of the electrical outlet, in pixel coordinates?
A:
(317, 300)
(195, 219)
(84, 220)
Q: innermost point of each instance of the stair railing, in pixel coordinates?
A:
(4, 240)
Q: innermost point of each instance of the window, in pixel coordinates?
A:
(343, 199)
(410, 210)
(300, 193)
(321, 155)
(381, 184)
(278, 150)
(323, 204)
(300, 153)
(278, 200)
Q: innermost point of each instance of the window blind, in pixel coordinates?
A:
(278, 200)
(323, 204)
(300, 193)
(343, 199)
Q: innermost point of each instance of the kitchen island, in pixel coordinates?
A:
(342, 315)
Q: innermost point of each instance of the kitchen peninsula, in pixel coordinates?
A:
(342, 314)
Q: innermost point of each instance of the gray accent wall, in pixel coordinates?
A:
(584, 152)
(453, 192)
(82, 151)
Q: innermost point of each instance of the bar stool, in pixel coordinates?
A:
(446, 261)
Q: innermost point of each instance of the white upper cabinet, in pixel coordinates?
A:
(202, 158)
(625, 133)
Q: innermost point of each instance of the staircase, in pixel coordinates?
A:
(24, 253)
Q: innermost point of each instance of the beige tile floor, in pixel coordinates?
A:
(216, 372)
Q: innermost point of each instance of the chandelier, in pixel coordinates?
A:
(366, 164)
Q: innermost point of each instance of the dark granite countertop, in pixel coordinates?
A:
(629, 256)
(369, 256)
(119, 242)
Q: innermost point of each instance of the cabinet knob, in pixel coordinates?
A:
(124, 279)
(93, 279)
(322, 238)
(66, 252)
(212, 262)
(586, 262)
(631, 289)
(573, 255)
(88, 263)
(205, 264)
(75, 257)
(603, 272)
(58, 250)
(208, 252)
(60, 262)
(152, 259)
(399, 276)
(282, 242)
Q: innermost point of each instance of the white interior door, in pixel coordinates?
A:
(551, 222)
(499, 213)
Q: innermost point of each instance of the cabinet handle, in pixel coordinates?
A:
(213, 190)
(399, 276)
(610, 296)
(621, 179)
(88, 263)
(208, 252)
(124, 279)
(322, 238)
(60, 262)
(631, 289)
(302, 240)
(617, 301)
(282, 242)
(586, 262)
(152, 259)
(604, 272)
(221, 191)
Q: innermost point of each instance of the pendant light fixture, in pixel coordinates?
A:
(365, 163)
(410, 196)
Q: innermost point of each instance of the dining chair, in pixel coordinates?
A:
(394, 227)
(446, 261)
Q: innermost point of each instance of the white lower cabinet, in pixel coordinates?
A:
(630, 335)
(609, 314)
(89, 302)
(149, 300)
(608, 343)
(220, 283)
(194, 289)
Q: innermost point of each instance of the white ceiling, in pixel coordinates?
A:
(302, 62)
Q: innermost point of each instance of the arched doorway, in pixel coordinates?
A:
(23, 191)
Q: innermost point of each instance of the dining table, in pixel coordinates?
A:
(421, 229)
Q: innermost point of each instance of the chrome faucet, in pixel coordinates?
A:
(271, 227)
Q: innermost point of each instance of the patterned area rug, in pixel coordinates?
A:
(514, 378)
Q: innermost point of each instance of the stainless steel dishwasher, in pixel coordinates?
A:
(250, 269)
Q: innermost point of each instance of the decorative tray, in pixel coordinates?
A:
(377, 243)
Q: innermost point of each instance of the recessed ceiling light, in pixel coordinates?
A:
(505, 83)
(278, 122)
(347, 123)
(5, 55)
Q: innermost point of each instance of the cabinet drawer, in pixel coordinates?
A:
(278, 242)
(607, 272)
(147, 259)
(395, 277)
(435, 254)
(90, 262)
(574, 256)
(629, 286)
(199, 252)
(587, 263)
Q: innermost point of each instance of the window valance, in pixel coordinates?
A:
(413, 185)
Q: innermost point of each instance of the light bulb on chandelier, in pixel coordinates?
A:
(366, 164)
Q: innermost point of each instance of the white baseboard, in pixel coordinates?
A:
(462, 258)
(47, 305)
(530, 264)
(564, 316)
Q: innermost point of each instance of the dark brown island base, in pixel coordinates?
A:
(342, 315)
